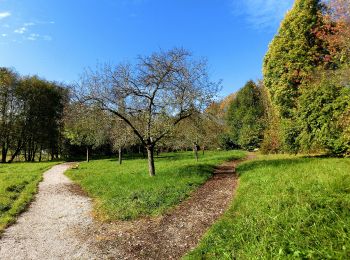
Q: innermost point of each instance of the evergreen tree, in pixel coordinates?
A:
(293, 54)
(323, 114)
(245, 116)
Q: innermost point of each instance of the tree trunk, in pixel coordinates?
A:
(29, 155)
(120, 154)
(143, 153)
(18, 150)
(195, 149)
(151, 168)
(34, 153)
(87, 154)
(203, 150)
(3, 153)
(40, 153)
(25, 153)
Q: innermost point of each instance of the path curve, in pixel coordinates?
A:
(176, 233)
(58, 224)
(47, 230)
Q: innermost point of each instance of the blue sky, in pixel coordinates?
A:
(58, 39)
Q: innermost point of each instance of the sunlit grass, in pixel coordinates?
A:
(18, 184)
(126, 191)
(286, 207)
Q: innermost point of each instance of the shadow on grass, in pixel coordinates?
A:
(274, 163)
(323, 156)
(166, 157)
(198, 169)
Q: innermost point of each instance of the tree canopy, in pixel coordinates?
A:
(246, 117)
(152, 96)
(293, 54)
(30, 115)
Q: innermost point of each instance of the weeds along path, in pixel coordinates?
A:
(49, 228)
(174, 234)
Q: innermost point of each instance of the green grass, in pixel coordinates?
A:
(18, 184)
(286, 207)
(127, 192)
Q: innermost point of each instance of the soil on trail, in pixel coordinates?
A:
(58, 224)
(174, 234)
(49, 228)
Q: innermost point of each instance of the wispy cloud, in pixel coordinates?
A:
(33, 36)
(28, 24)
(262, 14)
(27, 33)
(20, 30)
(4, 15)
(36, 36)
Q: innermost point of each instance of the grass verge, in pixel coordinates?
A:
(127, 192)
(286, 207)
(18, 184)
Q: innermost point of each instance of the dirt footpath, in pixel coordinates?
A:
(174, 234)
(58, 224)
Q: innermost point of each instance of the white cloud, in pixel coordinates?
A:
(262, 14)
(36, 36)
(33, 36)
(24, 28)
(4, 35)
(4, 15)
(28, 24)
(21, 30)
(27, 33)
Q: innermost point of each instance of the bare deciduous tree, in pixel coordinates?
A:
(152, 96)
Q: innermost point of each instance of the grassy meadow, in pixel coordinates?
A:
(285, 207)
(18, 184)
(127, 192)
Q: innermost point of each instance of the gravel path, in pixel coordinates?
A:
(58, 224)
(49, 228)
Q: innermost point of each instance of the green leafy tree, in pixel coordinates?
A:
(120, 136)
(31, 111)
(42, 111)
(294, 54)
(85, 126)
(324, 107)
(246, 117)
(8, 110)
(201, 130)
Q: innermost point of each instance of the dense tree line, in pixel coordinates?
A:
(159, 104)
(30, 116)
(166, 100)
(305, 102)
